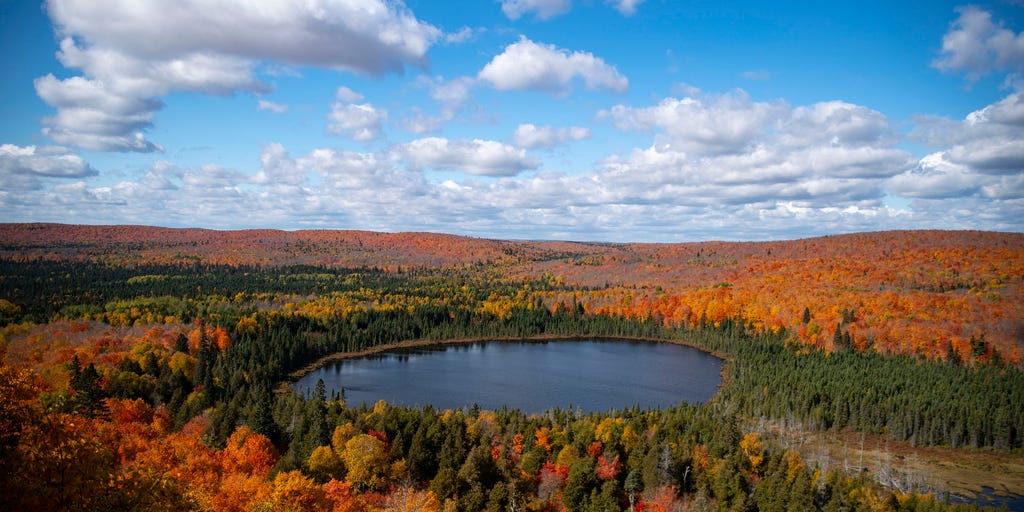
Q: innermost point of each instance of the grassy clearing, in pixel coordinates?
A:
(960, 471)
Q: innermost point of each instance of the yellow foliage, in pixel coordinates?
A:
(753, 448)
(609, 430)
(325, 464)
(629, 438)
(295, 492)
(485, 426)
(366, 460)
(182, 362)
(794, 464)
(409, 499)
(341, 435)
(567, 455)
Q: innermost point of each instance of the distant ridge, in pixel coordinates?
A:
(912, 292)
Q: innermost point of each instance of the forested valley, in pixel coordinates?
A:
(148, 370)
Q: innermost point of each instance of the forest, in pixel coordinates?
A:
(147, 369)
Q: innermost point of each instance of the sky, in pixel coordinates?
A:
(591, 120)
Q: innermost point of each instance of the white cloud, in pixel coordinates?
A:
(542, 9)
(730, 150)
(132, 52)
(463, 34)
(270, 106)
(452, 97)
(531, 136)
(652, 194)
(420, 123)
(22, 166)
(452, 94)
(526, 65)
(989, 140)
(715, 124)
(977, 46)
(480, 157)
(982, 155)
(625, 7)
(366, 36)
(346, 95)
(358, 121)
(277, 167)
(935, 178)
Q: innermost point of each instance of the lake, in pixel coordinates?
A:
(595, 376)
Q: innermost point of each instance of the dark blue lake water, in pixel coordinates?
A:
(532, 376)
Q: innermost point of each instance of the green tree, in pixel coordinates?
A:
(581, 481)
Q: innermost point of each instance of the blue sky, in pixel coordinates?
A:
(618, 120)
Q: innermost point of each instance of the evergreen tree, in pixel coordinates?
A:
(318, 431)
(88, 399)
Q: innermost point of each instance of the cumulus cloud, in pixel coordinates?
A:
(541, 9)
(978, 46)
(480, 157)
(981, 155)
(722, 124)
(22, 166)
(935, 178)
(131, 53)
(278, 168)
(650, 194)
(526, 65)
(358, 121)
(625, 7)
(531, 136)
(731, 150)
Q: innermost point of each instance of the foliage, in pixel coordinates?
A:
(140, 375)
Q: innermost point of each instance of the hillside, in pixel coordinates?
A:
(148, 368)
(912, 292)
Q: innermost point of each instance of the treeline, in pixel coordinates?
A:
(222, 377)
(903, 398)
(44, 289)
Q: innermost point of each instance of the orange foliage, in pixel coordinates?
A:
(248, 452)
(294, 491)
(663, 499)
(542, 438)
(910, 292)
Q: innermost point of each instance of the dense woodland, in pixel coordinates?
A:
(148, 374)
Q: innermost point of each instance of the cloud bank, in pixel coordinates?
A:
(715, 164)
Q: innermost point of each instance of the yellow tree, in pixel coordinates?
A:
(366, 461)
(295, 492)
(324, 464)
(753, 448)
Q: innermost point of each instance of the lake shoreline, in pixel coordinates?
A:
(285, 385)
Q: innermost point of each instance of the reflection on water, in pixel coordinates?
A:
(989, 497)
(530, 376)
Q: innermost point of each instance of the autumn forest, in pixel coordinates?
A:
(148, 369)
